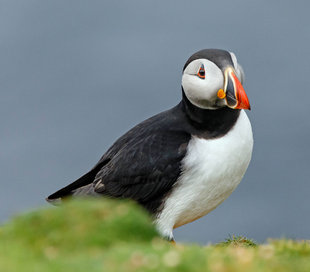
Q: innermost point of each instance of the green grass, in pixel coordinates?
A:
(107, 235)
(238, 241)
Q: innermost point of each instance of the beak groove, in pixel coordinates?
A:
(236, 97)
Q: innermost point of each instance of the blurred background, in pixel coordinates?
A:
(75, 75)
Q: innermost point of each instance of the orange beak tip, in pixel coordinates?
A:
(242, 98)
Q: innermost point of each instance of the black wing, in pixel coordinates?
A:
(142, 165)
(145, 169)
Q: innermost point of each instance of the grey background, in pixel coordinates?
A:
(75, 75)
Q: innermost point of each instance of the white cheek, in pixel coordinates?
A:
(195, 88)
(202, 92)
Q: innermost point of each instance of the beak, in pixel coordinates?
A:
(236, 97)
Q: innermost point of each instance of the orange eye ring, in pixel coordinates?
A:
(201, 73)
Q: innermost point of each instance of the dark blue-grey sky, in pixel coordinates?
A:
(75, 75)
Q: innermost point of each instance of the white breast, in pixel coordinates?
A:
(212, 169)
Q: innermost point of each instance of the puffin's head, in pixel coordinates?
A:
(213, 79)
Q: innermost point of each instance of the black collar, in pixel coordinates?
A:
(211, 123)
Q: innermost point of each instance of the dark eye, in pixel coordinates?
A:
(201, 73)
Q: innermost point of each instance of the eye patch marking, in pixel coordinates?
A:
(201, 73)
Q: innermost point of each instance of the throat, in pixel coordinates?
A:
(209, 123)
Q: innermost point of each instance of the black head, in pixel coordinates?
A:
(220, 57)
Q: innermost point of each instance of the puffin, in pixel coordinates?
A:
(181, 163)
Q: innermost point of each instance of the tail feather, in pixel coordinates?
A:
(82, 186)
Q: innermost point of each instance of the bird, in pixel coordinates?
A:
(182, 163)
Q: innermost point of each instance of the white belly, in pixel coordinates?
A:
(212, 169)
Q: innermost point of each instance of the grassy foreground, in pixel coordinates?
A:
(105, 235)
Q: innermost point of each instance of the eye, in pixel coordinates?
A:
(202, 73)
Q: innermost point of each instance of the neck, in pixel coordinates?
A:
(213, 121)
